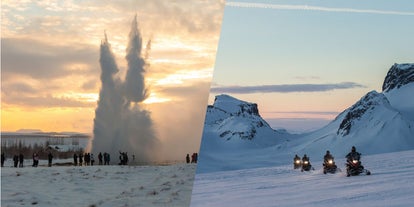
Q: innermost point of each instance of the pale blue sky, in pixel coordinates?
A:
(285, 44)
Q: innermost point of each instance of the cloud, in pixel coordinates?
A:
(42, 60)
(303, 112)
(46, 101)
(314, 8)
(287, 88)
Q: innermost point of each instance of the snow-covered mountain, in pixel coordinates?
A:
(377, 123)
(233, 126)
(236, 137)
(239, 124)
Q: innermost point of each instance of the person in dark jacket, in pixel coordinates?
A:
(3, 158)
(49, 158)
(305, 158)
(100, 158)
(75, 159)
(21, 160)
(328, 156)
(296, 158)
(353, 154)
(187, 158)
(16, 160)
(80, 159)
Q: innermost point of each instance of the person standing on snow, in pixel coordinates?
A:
(92, 160)
(3, 158)
(187, 158)
(80, 159)
(100, 158)
(50, 157)
(16, 160)
(21, 159)
(75, 159)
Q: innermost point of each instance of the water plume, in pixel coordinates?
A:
(120, 123)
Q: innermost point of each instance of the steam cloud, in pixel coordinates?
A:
(120, 124)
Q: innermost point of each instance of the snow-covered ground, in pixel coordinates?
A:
(97, 185)
(391, 184)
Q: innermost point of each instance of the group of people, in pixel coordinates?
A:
(123, 158)
(194, 158)
(18, 160)
(105, 158)
(87, 157)
(328, 156)
(328, 160)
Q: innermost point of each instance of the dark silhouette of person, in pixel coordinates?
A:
(100, 158)
(49, 158)
(37, 159)
(86, 158)
(126, 159)
(121, 158)
(33, 157)
(3, 158)
(80, 159)
(21, 160)
(75, 159)
(305, 158)
(15, 160)
(187, 158)
(92, 159)
(196, 157)
(296, 158)
(327, 156)
(353, 154)
(107, 158)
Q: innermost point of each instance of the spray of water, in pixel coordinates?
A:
(120, 123)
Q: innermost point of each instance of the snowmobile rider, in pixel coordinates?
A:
(296, 158)
(296, 162)
(327, 157)
(305, 158)
(353, 155)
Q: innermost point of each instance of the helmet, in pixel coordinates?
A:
(327, 152)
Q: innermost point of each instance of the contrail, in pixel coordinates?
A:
(314, 8)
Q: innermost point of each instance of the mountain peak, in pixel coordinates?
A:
(359, 109)
(235, 106)
(398, 75)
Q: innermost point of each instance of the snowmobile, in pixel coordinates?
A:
(297, 163)
(330, 167)
(354, 167)
(306, 166)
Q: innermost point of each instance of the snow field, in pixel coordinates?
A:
(389, 185)
(97, 186)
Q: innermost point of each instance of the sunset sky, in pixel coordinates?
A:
(50, 73)
(304, 62)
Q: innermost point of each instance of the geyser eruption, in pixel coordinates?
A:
(134, 81)
(120, 123)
